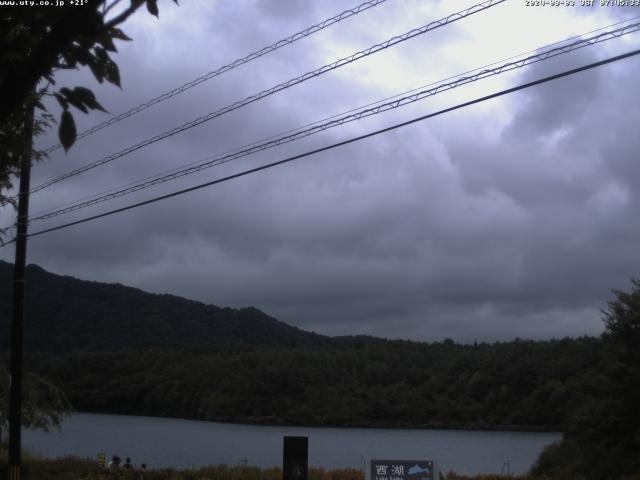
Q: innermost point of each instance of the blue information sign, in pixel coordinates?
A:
(401, 470)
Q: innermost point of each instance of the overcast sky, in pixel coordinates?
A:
(512, 218)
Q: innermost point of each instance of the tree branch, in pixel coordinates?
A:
(107, 8)
(135, 4)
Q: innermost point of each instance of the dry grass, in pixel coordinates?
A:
(72, 468)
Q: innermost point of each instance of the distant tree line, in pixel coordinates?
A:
(515, 385)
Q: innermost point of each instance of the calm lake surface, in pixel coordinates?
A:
(165, 442)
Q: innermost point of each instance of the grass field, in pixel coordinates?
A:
(72, 468)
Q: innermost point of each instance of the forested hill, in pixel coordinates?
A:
(64, 314)
(116, 349)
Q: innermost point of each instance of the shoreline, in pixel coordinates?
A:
(506, 428)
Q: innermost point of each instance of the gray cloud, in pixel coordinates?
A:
(515, 218)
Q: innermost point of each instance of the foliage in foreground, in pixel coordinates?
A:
(44, 405)
(602, 439)
(38, 41)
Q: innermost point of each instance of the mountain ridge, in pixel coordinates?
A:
(111, 316)
(117, 349)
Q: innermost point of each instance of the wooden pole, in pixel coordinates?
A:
(15, 385)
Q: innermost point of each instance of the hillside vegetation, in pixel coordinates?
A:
(116, 349)
(519, 385)
(66, 314)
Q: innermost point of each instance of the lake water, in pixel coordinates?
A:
(166, 442)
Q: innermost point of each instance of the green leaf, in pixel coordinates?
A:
(84, 94)
(96, 73)
(73, 100)
(67, 131)
(62, 101)
(88, 98)
(152, 6)
(96, 69)
(101, 54)
(79, 54)
(112, 73)
(107, 42)
(119, 34)
(97, 63)
(97, 106)
(39, 105)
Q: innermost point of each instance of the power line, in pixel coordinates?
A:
(342, 143)
(282, 86)
(213, 161)
(158, 178)
(236, 63)
(264, 139)
(256, 142)
(399, 102)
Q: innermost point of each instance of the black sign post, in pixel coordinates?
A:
(402, 470)
(295, 458)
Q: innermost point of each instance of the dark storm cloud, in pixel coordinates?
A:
(559, 104)
(437, 230)
(580, 241)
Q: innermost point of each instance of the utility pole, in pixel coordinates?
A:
(15, 385)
